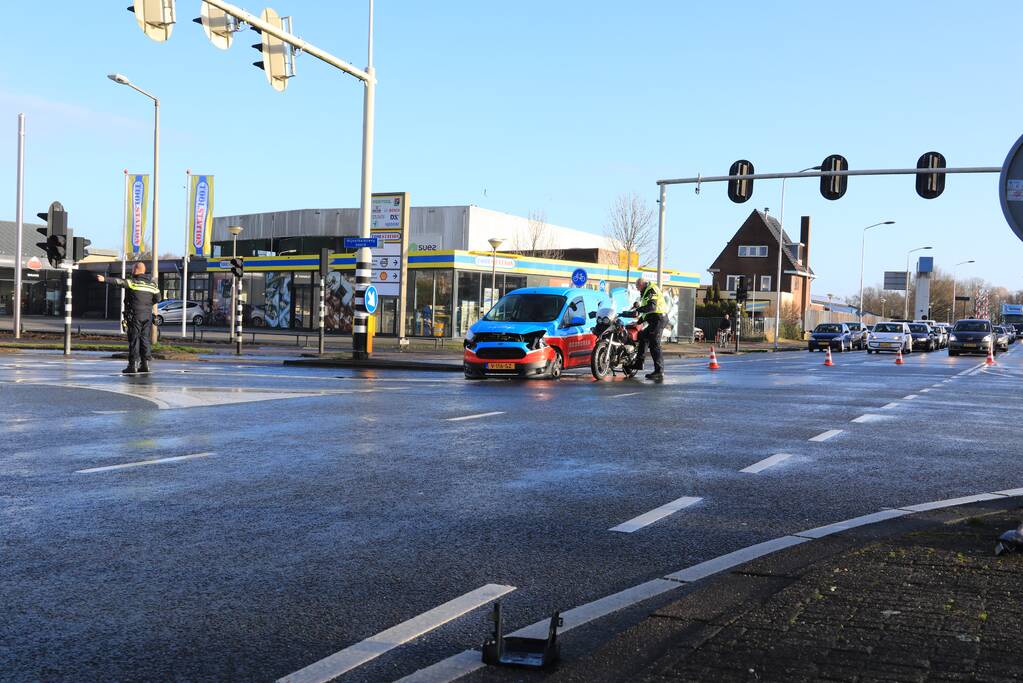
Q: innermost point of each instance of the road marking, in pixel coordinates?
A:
(888, 405)
(732, 559)
(110, 412)
(824, 436)
(447, 670)
(910, 397)
(341, 662)
(648, 518)
(765, 463)
(474, 417)
(924, 391)
(140, 463)
(863, 520)
(950, 502)
(869, 417)
(634, 393)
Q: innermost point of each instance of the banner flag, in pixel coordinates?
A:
(200, 215)
(135, 220)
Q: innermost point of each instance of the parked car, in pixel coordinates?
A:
(890, 336)
(1011, 331)
(537, 332)
(971, 335)
(830, 335)
(923, 336)
(1001, 337)
(940, 336)
(859, 334)
(170, 311)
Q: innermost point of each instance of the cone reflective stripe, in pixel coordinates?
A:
(898, 358)
(827, 358)
(713, 360)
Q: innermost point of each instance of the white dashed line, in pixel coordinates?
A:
(634, 393)
(341, 662)
(910, 397)
(648, 518)
(870, 417)
(924, 391)
(141, 463)
(887, 406)
(765, 463)
(475, 417)
(824, 436)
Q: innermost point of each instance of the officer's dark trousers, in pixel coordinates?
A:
(139, 349)
(651, 336)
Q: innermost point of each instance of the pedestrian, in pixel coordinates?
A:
(724, 330)
(652, 310)
(140, 295)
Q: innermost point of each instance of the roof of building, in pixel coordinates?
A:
(774, 227)
(9, 245)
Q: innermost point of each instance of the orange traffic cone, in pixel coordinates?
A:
(990, 357)
(827, 359)
(898, 358)
(713, 360)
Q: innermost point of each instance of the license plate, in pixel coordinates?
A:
(891, 344)
(969, 346)
(500, 366)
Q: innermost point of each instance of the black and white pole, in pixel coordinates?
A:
(67, 308)
(360, 324)
(323, 312)
(238, 317)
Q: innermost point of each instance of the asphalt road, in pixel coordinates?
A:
(305, 511)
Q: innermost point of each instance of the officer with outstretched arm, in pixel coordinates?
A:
(140, 295)
(651, 309)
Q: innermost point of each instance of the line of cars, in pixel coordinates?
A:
(966, 336)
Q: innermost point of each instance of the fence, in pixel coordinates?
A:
(749, 329)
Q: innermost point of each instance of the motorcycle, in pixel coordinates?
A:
(617, 344)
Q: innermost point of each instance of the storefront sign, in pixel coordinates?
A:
(502, 263)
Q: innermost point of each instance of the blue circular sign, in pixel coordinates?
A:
(602, 286)
(371, 299)
(579, 277)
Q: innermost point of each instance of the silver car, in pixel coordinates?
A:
(170, 311)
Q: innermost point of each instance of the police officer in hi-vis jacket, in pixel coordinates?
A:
(140, 295)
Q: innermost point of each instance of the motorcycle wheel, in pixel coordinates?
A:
(600, 360)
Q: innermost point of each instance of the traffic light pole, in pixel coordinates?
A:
(67, 310)
(238, 316)
(323, 312)
(20, 226)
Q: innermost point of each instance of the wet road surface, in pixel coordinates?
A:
(237, 521)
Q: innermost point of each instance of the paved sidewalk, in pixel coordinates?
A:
(929, 603)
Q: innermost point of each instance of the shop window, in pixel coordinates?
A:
(442, 303)
(467, 302)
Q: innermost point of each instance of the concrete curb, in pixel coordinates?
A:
(898, 520)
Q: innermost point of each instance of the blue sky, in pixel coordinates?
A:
(553, 106)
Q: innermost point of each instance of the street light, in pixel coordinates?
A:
(495, 242)
(123, 80)
(882, 308)
(953, 313)
(830, 297)
(781, 246)
(235, 230)
(863, 246)
(905, 313)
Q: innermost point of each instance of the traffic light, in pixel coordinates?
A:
(237, 267)
(218, 25)
(278, 58)
(56, 234)
(78, 249)
(740, 191)
(741, 293)
(324, 263)
(930, 185)
(833, 187)
(155, 17)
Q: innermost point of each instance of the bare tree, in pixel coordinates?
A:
(538, 239)
(630, 227)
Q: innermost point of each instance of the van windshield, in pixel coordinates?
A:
(527, 308)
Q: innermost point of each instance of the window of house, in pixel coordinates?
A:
(765, 283)
(732, 283)
(758, 251)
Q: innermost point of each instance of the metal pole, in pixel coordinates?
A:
(238, 313)
(323, 312)
(781, 247)
(156, 207)
(124, 253)
(660, 235)
(493, 278)
(953, 314)
(20, 225)
(829, 174)
(905, 312)
(184, 277)
(234, 288)
(67, 312)
(364, 256)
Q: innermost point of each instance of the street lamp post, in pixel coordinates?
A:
(882, 308)
(830, 297)
(781, 246)
(235, 230)
(123, 80)
(495, 242)
(863, 247)
(905, 313)
(953, 312)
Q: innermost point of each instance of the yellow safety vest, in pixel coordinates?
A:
(651, 293)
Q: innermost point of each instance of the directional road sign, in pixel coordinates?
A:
(362, 243)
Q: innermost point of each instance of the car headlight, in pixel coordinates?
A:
(986, 339)
(952, 337)
(534, 340)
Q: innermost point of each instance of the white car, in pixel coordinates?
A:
(169, 311)
(890, 337)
